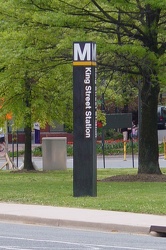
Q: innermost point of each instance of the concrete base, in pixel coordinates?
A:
(54, 153)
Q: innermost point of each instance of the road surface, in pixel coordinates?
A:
(29, 237)
(110, 162)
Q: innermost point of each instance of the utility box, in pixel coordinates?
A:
(54, 153)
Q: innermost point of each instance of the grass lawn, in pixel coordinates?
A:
(56, 188)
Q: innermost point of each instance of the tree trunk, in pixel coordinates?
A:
(148, 144)
(28, 143)
(28, 165)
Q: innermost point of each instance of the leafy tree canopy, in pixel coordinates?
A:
(131, 44)
(32, 52)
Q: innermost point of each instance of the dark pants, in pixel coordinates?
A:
(2, 139)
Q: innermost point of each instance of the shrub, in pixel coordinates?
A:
(37, 151)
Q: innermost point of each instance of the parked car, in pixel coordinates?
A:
(161, 117)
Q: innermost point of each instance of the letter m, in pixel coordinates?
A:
(82, 52)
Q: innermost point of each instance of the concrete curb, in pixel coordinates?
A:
(85, 225)
(82, 218)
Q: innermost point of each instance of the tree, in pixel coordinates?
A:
(31, 82)
(131, 40)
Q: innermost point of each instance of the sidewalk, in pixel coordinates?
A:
(87, 219)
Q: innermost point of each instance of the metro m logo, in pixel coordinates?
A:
(84, 52)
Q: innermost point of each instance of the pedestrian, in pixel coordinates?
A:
(2, 141)
(134, 133)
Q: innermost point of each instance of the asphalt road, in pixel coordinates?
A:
(161, 135)
(29, 237)
(108, 162)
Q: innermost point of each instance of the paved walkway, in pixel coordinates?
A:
(80, 218)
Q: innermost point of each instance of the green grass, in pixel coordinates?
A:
(56, 188)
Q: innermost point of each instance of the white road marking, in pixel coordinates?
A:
(92, 246)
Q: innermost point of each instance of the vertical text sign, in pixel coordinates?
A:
(84, 119)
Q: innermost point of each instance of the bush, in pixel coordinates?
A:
(113, 134)
(117, 147)
(37, 151)
(69, 150)
(109, 134)
(111, 147)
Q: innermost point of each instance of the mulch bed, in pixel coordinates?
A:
(137, 177)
